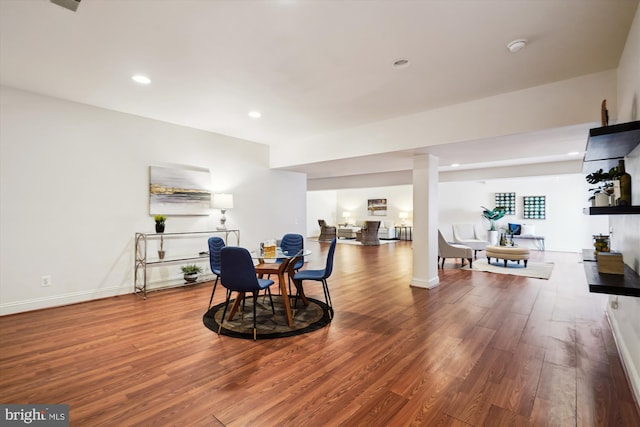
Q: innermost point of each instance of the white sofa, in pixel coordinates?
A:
(387, 231)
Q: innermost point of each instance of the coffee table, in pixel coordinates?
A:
(513, 253)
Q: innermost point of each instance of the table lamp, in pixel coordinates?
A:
(403, 217)
(222, 201)
(346, 216)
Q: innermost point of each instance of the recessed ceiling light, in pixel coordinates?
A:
(400, 63)
(139, 78)
(455, 165)
(573, 153)
(516, 45)
(255, 114)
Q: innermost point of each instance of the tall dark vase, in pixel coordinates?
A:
(625, 186)
(159, 227)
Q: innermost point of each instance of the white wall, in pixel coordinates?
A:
(74, 190)
(566, 227)
(320, 205)
(625, 320)
(399, 199)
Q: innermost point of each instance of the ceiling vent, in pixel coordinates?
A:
(72, 5)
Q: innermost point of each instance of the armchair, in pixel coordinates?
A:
(327, 232)
(369, 236)
(452, 250)
(465, 234)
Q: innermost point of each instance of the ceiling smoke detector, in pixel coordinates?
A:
(72, 5)
(516, 45)
(400, 63)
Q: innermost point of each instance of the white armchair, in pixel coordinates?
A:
(465, 234)
(452, 250)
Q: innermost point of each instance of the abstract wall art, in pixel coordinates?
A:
(178, 191)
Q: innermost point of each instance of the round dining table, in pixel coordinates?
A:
(277, 263)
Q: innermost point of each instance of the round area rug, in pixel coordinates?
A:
(305, 318)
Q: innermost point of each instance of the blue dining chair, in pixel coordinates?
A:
(318, 276)
(215, 245)
(292, 244)
(238, 274)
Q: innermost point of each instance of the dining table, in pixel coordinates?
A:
(278, 263)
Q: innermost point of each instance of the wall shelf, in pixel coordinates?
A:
(607, 144)
(612, 210)
(613, 284)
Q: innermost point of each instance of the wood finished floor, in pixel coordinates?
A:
(481, 349)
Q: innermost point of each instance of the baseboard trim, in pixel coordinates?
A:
(629, 368)
(63, 299)
(426, 284)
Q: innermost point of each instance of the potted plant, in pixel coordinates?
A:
(160, 219)
(191, 272)
(492, 216)
(601, 195)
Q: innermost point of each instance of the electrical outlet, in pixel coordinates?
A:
(46, 281)
(614, 304)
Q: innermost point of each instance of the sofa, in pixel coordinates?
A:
(387, 230)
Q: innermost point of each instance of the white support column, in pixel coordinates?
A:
(425, 222)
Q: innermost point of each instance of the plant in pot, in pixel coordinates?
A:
(601, 195)
(159, 219)
(191, 272)
(492, 216)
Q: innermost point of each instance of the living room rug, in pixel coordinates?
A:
(538, 270)
(306, 319)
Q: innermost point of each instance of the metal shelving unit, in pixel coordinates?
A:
(142, 260)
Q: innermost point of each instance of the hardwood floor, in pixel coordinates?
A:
(481, 349)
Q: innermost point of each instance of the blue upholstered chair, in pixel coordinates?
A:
(292, 244)
(238, 274)
(215, 245)
(318, 276)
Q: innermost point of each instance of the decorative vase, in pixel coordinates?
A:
(493, 237)
(159, 227)
(601, 199)
(624, 182)
(191, 277)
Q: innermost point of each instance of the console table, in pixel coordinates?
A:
(143, 259)
(407, 232)
(538, 239)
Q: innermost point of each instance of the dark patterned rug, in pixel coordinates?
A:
(305, 319)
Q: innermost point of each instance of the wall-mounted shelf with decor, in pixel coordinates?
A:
(607, 144)
(613, 284)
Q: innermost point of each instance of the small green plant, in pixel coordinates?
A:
(191, 269)
(493, 215)
(606, 178)
(160, 219)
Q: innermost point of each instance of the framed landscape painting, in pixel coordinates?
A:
(377, 207)
(175, 191)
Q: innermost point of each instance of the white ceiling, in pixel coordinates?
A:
(311, 67)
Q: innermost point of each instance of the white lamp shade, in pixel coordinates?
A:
(223, 201)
